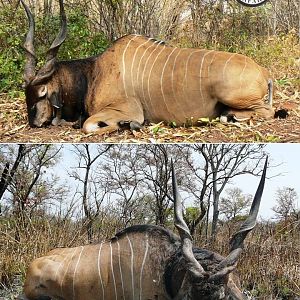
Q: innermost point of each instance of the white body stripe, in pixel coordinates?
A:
(148, 83)
(241, 76)
(133, 60)
(226, 64)
(139, 66)
(201, 67)
(142, 268)
(75, 271)
(63, 277)
(124, 67)
(259, 73)
(60, 265)
(208, 69)
(140, 62)
(143, 74)
(120, 268)
(112, 270)
(99, 270)
(131, 265)
(186, 67)
(162, 75)
(172, 80)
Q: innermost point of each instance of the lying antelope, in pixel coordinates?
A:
(138, 79)
(142, 262)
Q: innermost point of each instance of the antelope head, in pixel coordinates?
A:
(211, 277)
(42, 95)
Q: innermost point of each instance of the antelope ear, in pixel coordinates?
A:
(42, 91)
(55, 100)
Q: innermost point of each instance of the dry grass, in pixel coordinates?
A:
(20, 244)
(22, 241)
(269, 267)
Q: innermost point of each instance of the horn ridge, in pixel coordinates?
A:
(30, 57)
(52, 52)
(238, 239)
(49, 68)
(237, 242)
(193, 266)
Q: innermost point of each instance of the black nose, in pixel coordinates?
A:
(31, 124)
(40, 125)
(31, 115)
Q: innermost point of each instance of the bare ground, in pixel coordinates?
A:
(15, 129)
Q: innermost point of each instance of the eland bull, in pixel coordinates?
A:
(143, 262)
(138, 79)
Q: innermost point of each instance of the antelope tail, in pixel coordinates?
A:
(270, 92)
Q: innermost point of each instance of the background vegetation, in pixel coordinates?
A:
(45, 204)
(270, 33)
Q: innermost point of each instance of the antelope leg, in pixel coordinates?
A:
(263, 111)
(115, 115)
(107, 121)
(95, 124)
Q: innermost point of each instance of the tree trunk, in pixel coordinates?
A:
(193, 225)
(7, 178)
(215, 215)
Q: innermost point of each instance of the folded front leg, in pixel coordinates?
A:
(107, 121)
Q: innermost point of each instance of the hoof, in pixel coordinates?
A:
(77, 125)
(132, 125)
(136, 126)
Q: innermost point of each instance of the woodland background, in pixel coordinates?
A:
(269, 34)
(39, 213)
(104, 188)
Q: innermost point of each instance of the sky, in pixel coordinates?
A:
(286, 173)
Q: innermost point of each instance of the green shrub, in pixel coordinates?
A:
(11, 56)
(81, 42)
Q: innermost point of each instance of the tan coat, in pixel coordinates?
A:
(140, 78)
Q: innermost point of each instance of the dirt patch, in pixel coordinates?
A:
(14, 128)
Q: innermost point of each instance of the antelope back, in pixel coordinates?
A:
(129, 266)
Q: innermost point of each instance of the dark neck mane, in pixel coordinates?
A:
(151, 230)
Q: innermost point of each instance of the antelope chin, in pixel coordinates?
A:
(40, 124)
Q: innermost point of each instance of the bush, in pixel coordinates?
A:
(11, 55)
(81, 42)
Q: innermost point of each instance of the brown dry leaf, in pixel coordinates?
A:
(14, 128)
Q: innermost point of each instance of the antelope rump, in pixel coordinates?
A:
(138, 79)
(142, 262)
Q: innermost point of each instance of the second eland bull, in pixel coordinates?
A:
(138, 79)
(142, 262)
